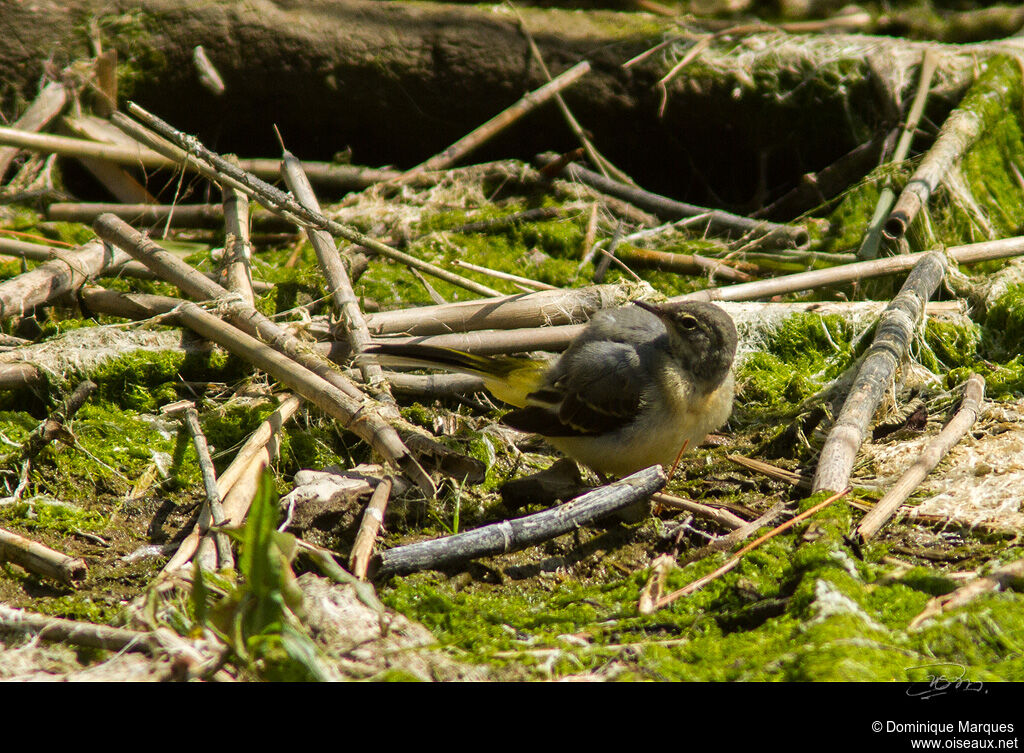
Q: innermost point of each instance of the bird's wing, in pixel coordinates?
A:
(595, 388)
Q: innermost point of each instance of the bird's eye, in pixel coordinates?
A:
(688, 322)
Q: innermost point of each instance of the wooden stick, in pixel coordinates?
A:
(881, 513)
(361, 413)
(771, 471)
(43, 109)
(896, 327)
(237, 485)
(967, 254)
(67, 272)
(343, 297)
(53, 425)
(214, 166)
(717, 514)
(596, 158)
(127, 268)
(76, 632)
(735, 559)
(687, 264)
(999, 578)
(508, 312)
(501, 121)
(40, 559)
(373, 520)
(525, 282)
(212, 513)
(236, 264)
(669, 209)
(995, 92)
(344, 177)
(17, 375)
(174, 215)
(869, 246)
(510, 535)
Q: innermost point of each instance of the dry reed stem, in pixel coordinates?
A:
(895, 330)
(499, 122)
(373, 520)
(960, 424)
(872, 238)
(40, 559)
(343, 297)
(211, 165)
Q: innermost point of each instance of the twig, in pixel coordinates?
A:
(767, 233)
(526, 282)
(515, 534)
(238, 484)
(67, 272)
(960, 424)
(343, 297)
(499, 122)
(967, 254)
(771, 471)
(236, 264)
(717, 514)
(172, 215)
(53, 425)
(43, 109)
(687, 264)
(301, 368)
(76, 632)
(343, 177)
(892, 339)
(216, 168)
(39, 559)
(596, 158)
(212, 513)
(869, 246)
(735, 559)
(995, 92)
(999, 578)
(508, 312)
(373, 519)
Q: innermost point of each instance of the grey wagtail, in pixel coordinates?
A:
(639, 385)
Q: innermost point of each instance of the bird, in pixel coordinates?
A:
(639, 385)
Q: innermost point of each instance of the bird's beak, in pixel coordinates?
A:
(658, 311)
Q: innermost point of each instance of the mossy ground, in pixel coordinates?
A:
(804, 606)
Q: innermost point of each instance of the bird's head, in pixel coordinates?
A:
(701, 335)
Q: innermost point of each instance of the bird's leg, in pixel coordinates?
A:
(675, 465)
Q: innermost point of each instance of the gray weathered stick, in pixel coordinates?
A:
(39, 559)
(515, 534)
(960, 424)
(499, 122)
(69, 271)
(75, 632)
(872, 238)
(892, 339)
(670, 209)
(216, 168)
(747, 291)
(995, 92)
(343, 296)
(43, 109)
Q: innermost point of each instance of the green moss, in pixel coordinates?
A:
(801, 356)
